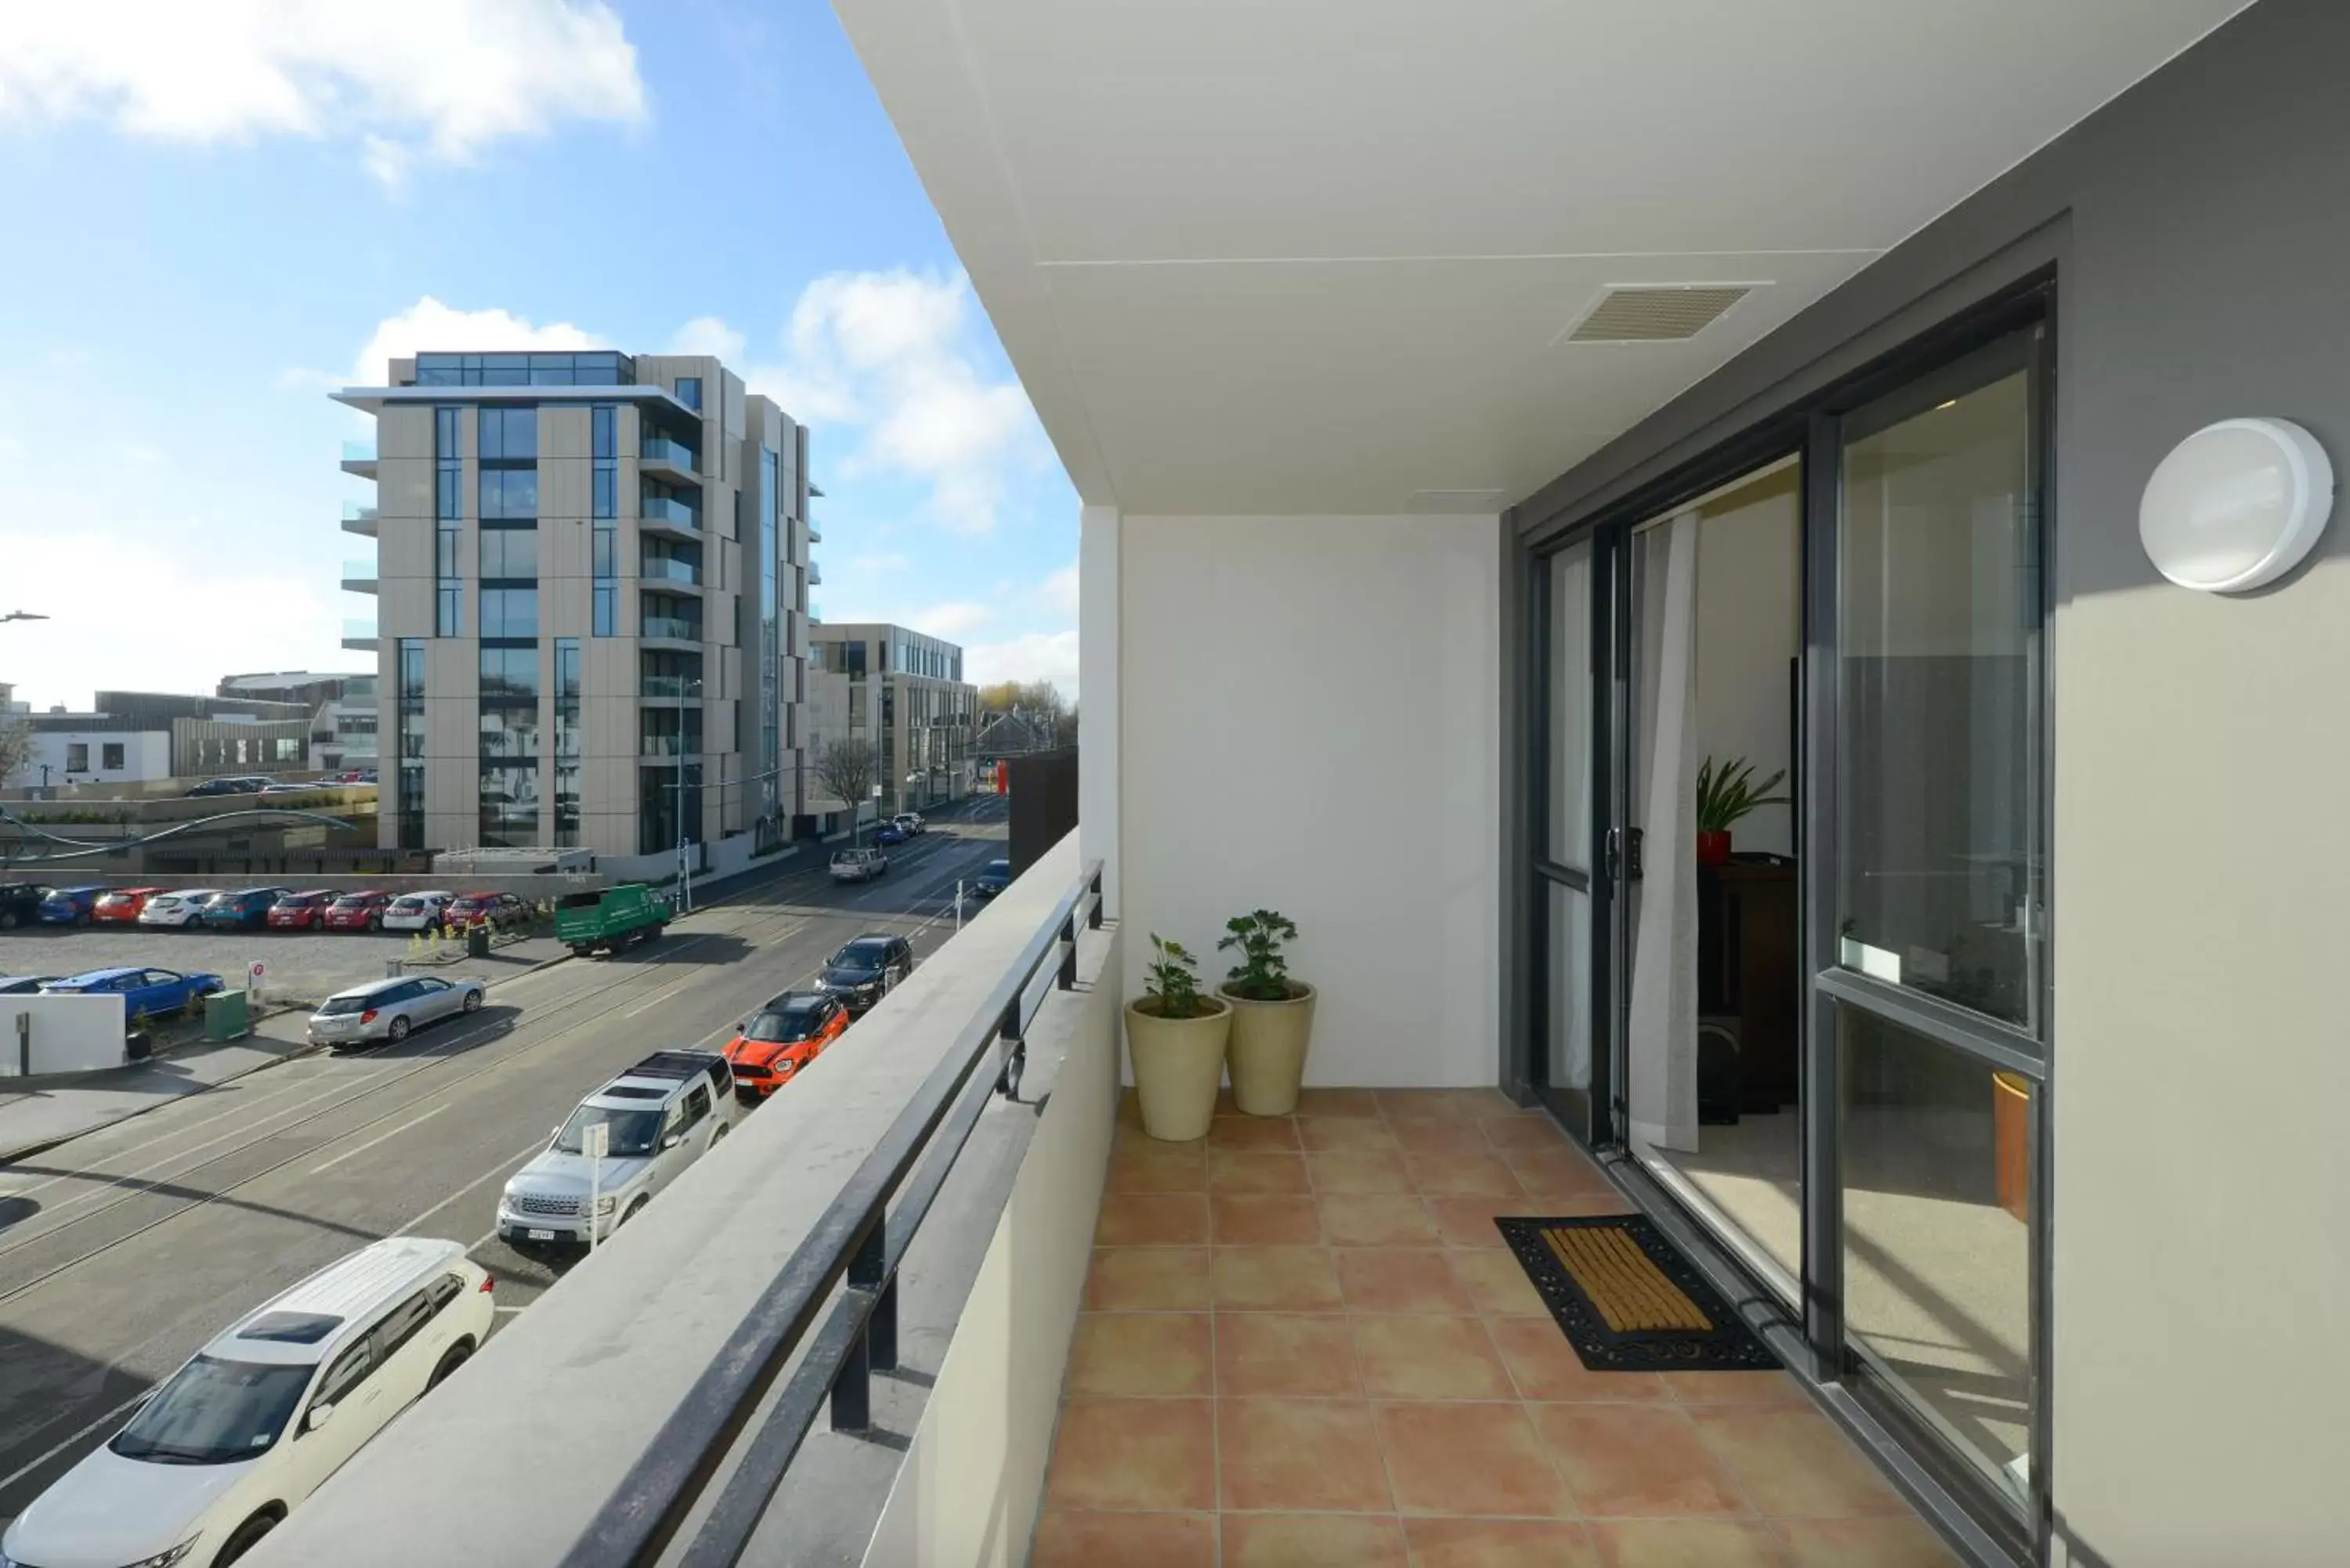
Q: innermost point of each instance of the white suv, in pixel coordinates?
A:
(857, 865)
(912, 821)
(664, 1113)
(227, 1445)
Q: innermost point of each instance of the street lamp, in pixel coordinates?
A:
(22, 615)
(684, 875)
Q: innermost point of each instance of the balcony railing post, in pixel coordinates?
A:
(876, 1343)
(1069, 952)
(1093, 886)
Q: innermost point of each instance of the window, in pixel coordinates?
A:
(509, 553)
(445, 1290)
(346, 1375)
(509, 434)
(510, 676)
(509, 492)
(448, 610)
(697, 1106)
(400, 1325)
(111, 754)
(509, 811)
(509, 733)
(76, 756)
(607, 609)
(689, 391)
(509, 612)
(289, 749)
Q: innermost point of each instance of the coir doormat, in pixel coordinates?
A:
(1626, 1301)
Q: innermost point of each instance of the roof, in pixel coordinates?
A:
(347, 1289)
(1005, 735)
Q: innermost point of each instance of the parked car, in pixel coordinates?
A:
(20, 902)
(503, 910)
(912, 823)
(23, 984)
(266, 1412)
(389, 1009)
(414, 911)
(176, 908)
(866, 969)
(858, 865)
(121, 906)
(664, 1113)
(228, 785)
(290, 789)
(301, 911)
(781, 1038)
(610, 918)
(150, 991)
(992, 878)
(359, 911)
(889, 833)
(240, 910)
(69, 906)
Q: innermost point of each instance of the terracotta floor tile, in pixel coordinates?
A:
(1376, 1219)
(1469, 1221)
(1316, 1455)
(1498, 1543)
(1428, 1359)
(1367, 1170)
(1735, 1388)
(1344, 1135)
(1438, 1135)
(1354, 1103)
(1158, 1167)
(1262, 1134)
(1274, 1279)
(1522, 1132)
(1263, 1220)
(1149, 1279)
(1158, 1454)
(1255, 1170)
(1129, 1111)
(1635, 1460)
(1310, 1540)
(1152, 1219)
(1267, 1353)
(1687, 1543)
(1546, 1366)
(1496, 1282)
(1401, 1279)
(1129, 1540)
(1133, 1354)
(1793, 1464)
(1466, 1104)
(1461, 1175)
(1468, 1460)
(1865, 1543)
(1558, 1172)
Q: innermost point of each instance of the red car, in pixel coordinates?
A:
(781, 1038)
(302, 911)
(499, 910)
(121, 906)
(359, 911)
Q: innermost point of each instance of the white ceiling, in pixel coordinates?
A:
(1314, 256)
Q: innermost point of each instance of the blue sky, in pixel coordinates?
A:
(219, 211)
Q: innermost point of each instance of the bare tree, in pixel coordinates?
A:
(847, 769)
(16, 746)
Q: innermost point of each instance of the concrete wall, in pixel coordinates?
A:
(146, 755)
(2202, 1184)
(66, 1033)
(1309, 714)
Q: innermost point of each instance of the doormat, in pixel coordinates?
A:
(1628, 1302)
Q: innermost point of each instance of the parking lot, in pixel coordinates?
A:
(297, 966)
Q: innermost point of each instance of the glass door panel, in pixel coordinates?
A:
(1564, 867)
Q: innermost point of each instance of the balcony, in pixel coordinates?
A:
(359, 519)
(662, 457)
(659, 569)
(815, 536)
(815, 576)
(669, 516)
(360, 635)
(359, 576)
(670, 688)
(359, 458)
(671, 628)
(667, 746)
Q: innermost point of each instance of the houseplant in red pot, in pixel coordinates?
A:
(1726, 791)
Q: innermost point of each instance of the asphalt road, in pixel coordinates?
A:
(123, 1252)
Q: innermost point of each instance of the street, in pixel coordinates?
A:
(123, 1251)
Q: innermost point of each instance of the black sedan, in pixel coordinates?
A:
(862, 973)
(992, 878)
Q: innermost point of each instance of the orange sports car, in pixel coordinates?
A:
(781, 1039)
(121, 906)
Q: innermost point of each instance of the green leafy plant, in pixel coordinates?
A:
(1726, 791)
(1262, 973)
(1172, 979)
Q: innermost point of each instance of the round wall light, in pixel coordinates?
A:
(2236, 505)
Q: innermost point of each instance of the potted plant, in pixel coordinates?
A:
(1726, 792)
(1272, 1014)
(1176, 1037)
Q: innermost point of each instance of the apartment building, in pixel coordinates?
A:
(141, 736)
(592, 575)
(903, 692)
(343, 722)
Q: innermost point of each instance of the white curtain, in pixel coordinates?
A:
(1663, 1024)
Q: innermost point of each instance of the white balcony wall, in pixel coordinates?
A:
(1308, 717)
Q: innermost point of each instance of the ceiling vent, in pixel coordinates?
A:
(1656, 313)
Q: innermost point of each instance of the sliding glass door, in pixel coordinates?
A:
(1571, 1068)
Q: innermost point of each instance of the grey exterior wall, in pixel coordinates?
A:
(2202, 1192)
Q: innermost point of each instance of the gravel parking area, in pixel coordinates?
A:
(297, 965)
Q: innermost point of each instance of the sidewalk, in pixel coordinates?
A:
(39, 1118)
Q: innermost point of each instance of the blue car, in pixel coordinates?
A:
(152, 991)
(68, 906)
(891, 833)
(246, 908)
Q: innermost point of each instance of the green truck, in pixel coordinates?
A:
(610, 919)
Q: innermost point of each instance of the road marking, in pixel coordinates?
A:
(379, 1138)
(19, 1474)
(512, 1159)
(505, 1311)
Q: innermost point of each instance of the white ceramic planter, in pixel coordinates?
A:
(1268, 1050)
(1179, 1065)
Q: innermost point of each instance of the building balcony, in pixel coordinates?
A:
(670, 517)
(359, 576)
(359, 458)
(662, 457)
(815, 576)
(357, 519)
(816, 534)
(667, 746)
(657, 570)
(670, 689)
(360, 635)
(670, 629)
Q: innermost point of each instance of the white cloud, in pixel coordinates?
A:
(431, 325)
(709, 335)
(881, 562)
(956, 619)
(406, 78)
(1040, 656)
(1059, 593)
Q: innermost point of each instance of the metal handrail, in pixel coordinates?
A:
(856, 1334)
